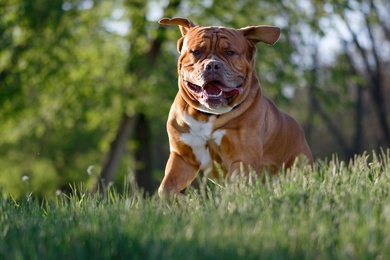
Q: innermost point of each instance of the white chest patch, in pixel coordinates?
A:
(200, 133)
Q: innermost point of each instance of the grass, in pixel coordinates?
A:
(337, 211)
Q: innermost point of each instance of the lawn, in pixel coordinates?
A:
(336, 211)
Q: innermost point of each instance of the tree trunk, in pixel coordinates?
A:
(358, 139)
(379, 100)
(117, 148)
(143, 171)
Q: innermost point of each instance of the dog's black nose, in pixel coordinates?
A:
(212, 65)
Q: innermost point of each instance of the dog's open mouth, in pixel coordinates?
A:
(214, 92)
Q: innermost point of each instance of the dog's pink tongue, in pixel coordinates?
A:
(213, 88)
(216, 89)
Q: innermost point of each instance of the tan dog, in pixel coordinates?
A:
(219, 114)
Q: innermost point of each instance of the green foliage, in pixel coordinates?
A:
(63, 89)
(337, 211)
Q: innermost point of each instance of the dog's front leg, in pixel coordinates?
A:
(178, 175)
(241, 168)
(240, 155)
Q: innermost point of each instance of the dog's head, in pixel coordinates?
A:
(216, 63)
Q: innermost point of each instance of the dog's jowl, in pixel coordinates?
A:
(220, 114)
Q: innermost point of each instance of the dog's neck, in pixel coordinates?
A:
(216, 115)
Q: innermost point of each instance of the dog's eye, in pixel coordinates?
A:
(196, 52)
(230, 53)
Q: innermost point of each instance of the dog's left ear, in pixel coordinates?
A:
(267, 34)
(184, 23)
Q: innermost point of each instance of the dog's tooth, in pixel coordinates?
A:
(215, 96)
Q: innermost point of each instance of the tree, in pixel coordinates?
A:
(143, 64)
(61, 76)
(351, 94)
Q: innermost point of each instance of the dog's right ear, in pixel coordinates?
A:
(184, 24)
(262, 33)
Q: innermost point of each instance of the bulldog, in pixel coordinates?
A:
(220, 120)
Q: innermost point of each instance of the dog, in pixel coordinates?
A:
(220, 120)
